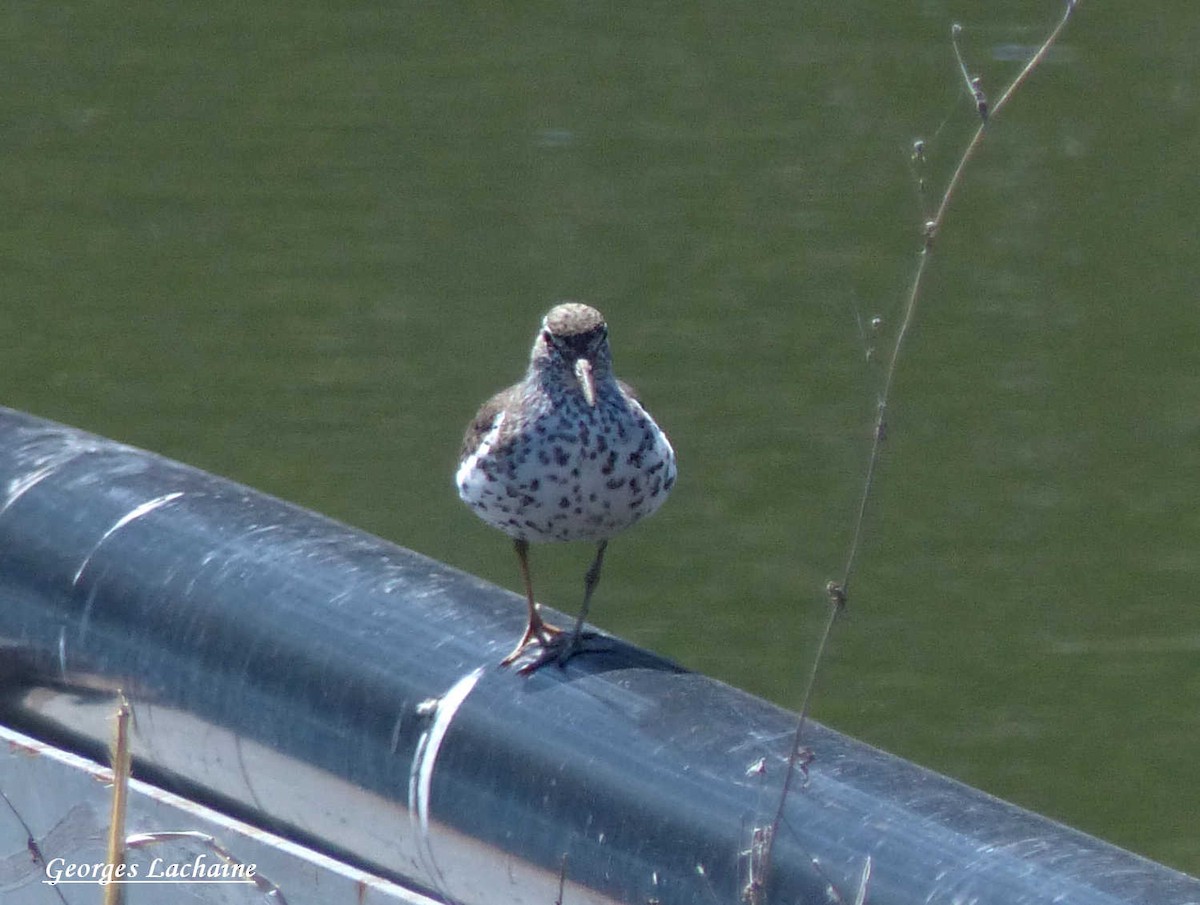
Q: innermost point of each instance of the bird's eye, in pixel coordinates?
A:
(546, 337)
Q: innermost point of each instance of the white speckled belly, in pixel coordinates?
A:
(570, 474)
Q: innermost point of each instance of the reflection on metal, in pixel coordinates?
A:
(343, 693)
(53, 822)
(440, 712)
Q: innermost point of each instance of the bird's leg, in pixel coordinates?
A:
(536, 629)
(590, 580)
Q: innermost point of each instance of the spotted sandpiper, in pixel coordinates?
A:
(566, 454)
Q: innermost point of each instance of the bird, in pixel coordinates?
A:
(568, 453)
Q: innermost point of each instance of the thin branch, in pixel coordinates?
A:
(31, 844)
(121, 767)
(974, 82)
(838, 592)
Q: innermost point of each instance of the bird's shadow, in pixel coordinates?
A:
(598, 653)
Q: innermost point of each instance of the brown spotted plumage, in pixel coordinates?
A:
(568, 453)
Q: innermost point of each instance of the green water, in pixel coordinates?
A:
(297, 244)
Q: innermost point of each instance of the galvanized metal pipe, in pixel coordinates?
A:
(345, 692)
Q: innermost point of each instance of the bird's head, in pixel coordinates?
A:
(572, 348)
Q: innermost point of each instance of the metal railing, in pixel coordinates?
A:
(344, 692)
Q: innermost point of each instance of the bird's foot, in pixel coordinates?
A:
(557, 649)
(538, 634)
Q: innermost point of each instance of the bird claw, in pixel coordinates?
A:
(545, 653)
(534, 652)
(542, 635)
(557, 649)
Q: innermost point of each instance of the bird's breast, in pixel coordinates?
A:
(573, 473)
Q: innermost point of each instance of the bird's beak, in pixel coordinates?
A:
(587, 380)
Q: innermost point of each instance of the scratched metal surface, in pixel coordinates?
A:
(54, 820)
(343, 692)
